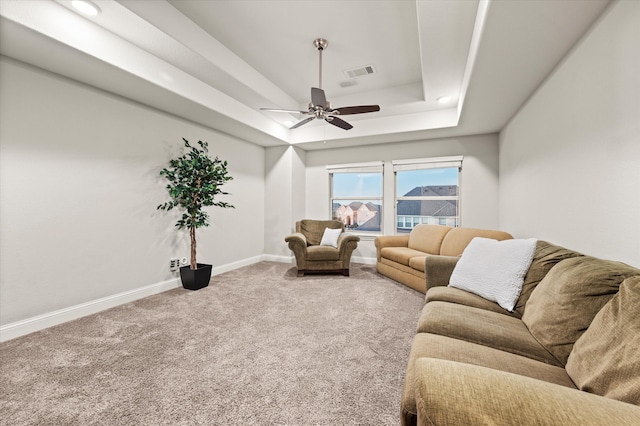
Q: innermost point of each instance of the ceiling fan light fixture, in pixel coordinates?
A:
(86, 7)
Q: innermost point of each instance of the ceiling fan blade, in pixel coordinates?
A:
(339, 123)
(290, 111)
(300, 123)
(318, 98)
(356, 109)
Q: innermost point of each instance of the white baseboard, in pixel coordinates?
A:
(364, 260)
(281, 259)
(40, 322)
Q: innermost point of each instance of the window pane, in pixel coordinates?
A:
(359, 185)
(408, 181)
(428, 196)
(362, 214)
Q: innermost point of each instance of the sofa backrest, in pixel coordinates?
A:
(428, 238)
(546, 256)
(458, 239)
(314, 229)
(567, 299)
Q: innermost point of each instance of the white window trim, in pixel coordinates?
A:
(427, 163)
(421, 164)
(369, 167)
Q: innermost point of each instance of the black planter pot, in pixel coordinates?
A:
(195, 279)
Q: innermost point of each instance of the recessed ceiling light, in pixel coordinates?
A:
(444, 99)
(86, 7)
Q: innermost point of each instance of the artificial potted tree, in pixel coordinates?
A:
(195, 179)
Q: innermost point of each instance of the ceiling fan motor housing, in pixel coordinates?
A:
(320, 43)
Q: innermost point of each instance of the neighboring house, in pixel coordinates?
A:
(356, 214)
(434, 211)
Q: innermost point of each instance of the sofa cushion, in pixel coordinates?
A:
(494, 269)
(401, 255)
(545, 257)
(455, 393)
(457, 239)
(482, 327)
(605, 360)
(417, 263)
(442, 347)
(563, 305)
(461, 297)
(428, 238)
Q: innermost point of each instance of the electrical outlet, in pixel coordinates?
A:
(174, 264)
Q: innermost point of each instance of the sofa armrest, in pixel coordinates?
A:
(438, 270)
(390, 241)
(449, 392)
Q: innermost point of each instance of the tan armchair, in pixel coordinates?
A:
(311, 256)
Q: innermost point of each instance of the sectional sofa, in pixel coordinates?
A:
(567, 354)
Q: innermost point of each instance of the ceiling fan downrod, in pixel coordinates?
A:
(320, 44)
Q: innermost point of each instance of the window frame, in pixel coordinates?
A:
(376, 167)
(425, 164)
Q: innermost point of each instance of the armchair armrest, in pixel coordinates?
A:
(438, 270)
(449, 392)
(297, 244)
(390, 241)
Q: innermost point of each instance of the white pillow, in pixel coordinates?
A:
(330, 237)
(494, 269)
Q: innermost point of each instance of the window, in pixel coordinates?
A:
(356, 195)
(427, 191)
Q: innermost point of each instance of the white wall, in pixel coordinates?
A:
(570, 159)
(79, 187)
(479, 180)
(284, 197)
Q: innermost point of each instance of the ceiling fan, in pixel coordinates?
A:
(319, 107)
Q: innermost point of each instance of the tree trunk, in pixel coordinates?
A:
(192, 234)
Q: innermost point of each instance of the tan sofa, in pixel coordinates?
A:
(402, 257)
(567, 355)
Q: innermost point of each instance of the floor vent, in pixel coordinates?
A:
(359, 72)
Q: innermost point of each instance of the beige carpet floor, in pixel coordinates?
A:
(258, 346)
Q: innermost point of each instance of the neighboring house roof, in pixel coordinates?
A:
(433, 191)
(441, 208)
(372, 224)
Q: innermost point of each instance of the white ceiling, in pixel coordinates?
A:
(217, 62)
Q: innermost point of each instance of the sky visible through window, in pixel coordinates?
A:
(357, 185)
(408, 180)
(360, 185)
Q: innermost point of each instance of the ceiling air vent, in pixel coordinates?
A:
(359, 72)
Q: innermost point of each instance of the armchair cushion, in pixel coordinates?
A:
(314, 229)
